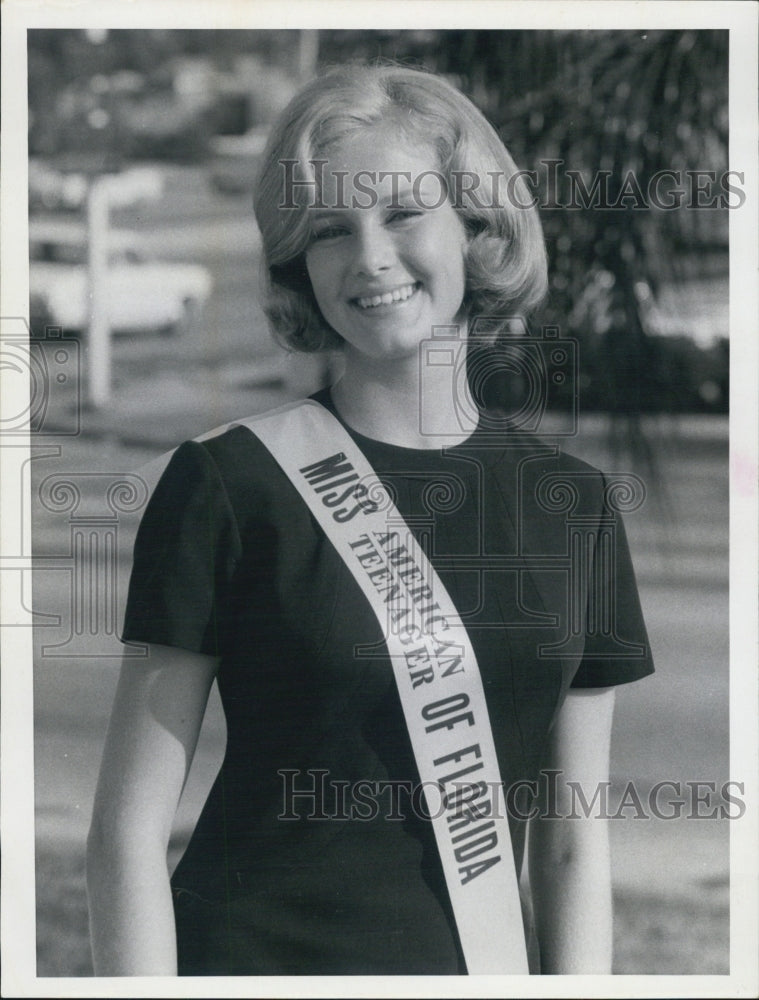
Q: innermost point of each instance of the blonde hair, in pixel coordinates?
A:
(506, 272)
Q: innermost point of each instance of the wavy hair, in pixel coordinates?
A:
(506, 273)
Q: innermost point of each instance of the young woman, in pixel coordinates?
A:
(315, 852)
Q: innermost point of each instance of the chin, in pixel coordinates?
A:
(394, 351)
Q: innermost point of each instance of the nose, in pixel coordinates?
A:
(374, 250)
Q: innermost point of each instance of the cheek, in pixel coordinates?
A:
(449, 269)
(321, 276)
(444, 250)
(457, 281)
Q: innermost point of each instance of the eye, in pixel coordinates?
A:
(403, 214)
(331, 232)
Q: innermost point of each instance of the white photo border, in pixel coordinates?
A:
(16, 749)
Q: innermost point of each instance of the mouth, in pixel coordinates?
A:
(394, 297)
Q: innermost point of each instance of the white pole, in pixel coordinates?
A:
(99, 339)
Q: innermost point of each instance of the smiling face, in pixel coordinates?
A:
(387, 264)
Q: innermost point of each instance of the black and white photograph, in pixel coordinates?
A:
(379, 484)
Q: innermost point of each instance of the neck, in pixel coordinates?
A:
(407, 402)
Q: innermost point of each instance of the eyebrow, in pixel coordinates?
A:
(331, 212)
(336, 211)
(404, 190)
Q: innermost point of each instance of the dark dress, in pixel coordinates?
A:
(345, 878)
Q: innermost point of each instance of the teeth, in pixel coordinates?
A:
(397, 295)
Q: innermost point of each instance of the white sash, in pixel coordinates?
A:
(435, 669)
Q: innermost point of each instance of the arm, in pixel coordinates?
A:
(152, 735)
(569, 858)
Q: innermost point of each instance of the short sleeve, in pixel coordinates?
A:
(617, 649)
(185, 553)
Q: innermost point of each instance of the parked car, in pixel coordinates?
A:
(143, 294)
(51, 189)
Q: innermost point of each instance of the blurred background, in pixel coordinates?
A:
(144, 261)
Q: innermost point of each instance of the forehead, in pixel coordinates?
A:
(380, 158)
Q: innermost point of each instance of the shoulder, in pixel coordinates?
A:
(238, 464)
(203, 465)
(230, 450)
(238, 444)
(539, 448)
(548, 474)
